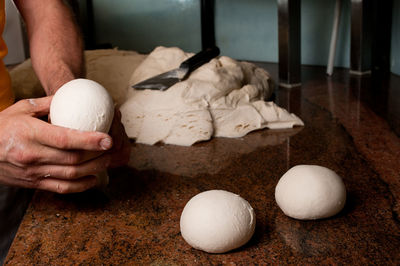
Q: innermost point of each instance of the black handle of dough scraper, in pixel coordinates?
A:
(200, 59)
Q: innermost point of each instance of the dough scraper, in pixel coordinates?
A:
(165, 80)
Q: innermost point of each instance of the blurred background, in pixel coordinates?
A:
(246, 30)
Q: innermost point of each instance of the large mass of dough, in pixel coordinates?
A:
(223, 98)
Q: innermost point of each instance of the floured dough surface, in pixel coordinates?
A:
(223, 98)
(82, 104)
(309, 192)
(217, 221)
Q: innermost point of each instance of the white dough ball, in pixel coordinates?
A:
(309, 192)
(82, 104)
(217, 221)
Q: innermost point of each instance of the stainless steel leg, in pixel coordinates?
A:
(289, 42)
(360, 48)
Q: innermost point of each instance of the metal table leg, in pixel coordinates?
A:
(360, 49)
(371, 22)
(289, 43)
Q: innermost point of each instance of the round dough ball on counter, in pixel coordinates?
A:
(309, 192)
(217, 221)
(82, 104)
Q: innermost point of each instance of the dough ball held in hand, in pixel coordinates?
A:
(82, 104)
(309, 192)
(217, 221)
(85, 105)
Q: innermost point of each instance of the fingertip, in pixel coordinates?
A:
(106, 143)
(72, 139)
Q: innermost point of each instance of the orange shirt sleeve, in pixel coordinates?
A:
(6, 93)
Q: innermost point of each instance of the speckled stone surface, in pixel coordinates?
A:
(136, 219)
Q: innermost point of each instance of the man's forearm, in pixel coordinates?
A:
(55, 42)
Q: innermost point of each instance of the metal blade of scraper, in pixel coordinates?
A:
(165, 80)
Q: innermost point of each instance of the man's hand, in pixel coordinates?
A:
(36, 154)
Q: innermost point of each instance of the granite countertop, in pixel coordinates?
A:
(351, 127)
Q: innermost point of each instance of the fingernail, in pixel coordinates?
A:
(105, 143)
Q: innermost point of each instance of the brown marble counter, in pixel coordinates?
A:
(350, 127)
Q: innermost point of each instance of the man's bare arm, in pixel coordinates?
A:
(55, 42)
